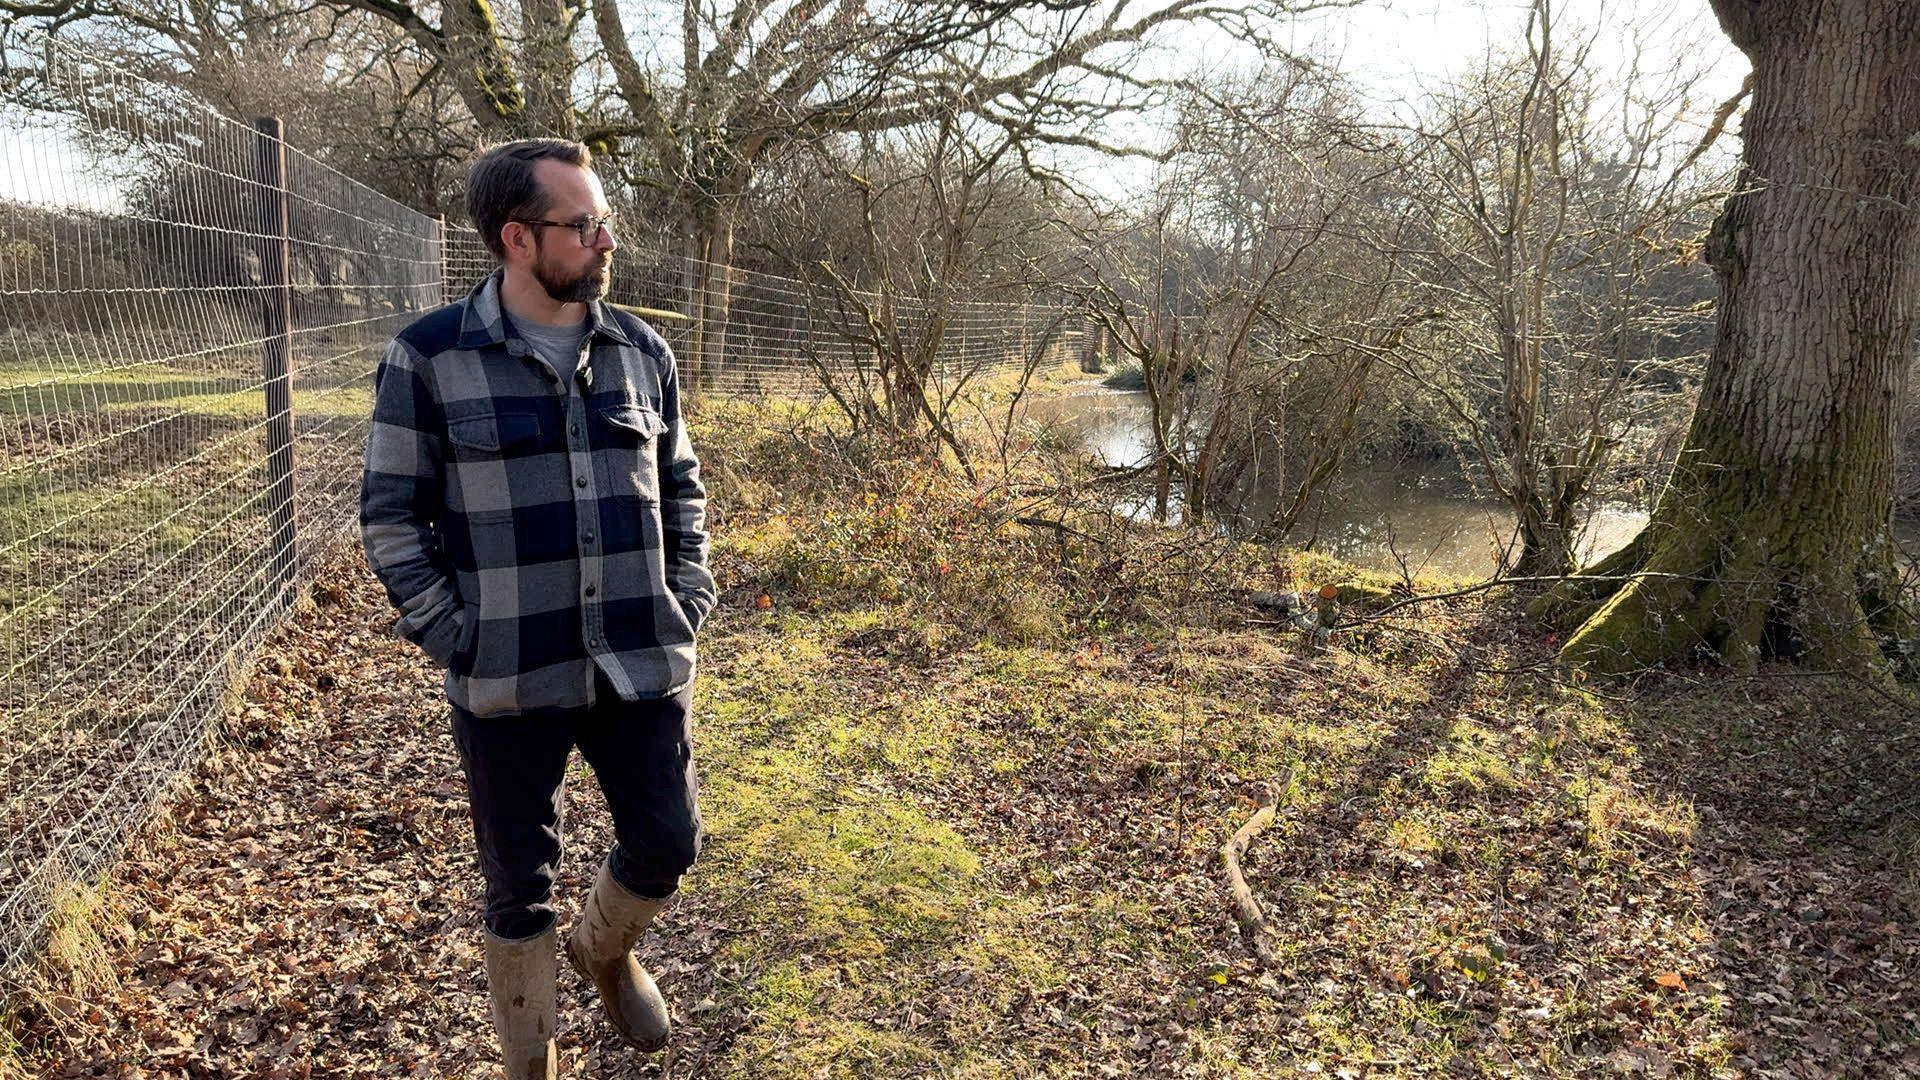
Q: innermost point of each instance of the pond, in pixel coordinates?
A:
(1425, 513)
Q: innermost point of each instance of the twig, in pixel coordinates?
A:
(1494, 583)
(1056, 526)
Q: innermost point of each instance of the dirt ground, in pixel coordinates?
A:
(940, 856)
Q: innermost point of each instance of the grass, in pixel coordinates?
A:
(1473, 871)
(84, 932)
(966, 785)
(855, 883)
(847, 807)
(144, 463)
(862, 721)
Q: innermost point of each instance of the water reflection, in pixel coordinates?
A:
(1424, 514)
(1110, 424)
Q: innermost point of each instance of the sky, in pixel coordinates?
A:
(1395, 45)
(1391, 49)
(1394, 50)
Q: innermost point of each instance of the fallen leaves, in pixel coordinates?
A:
(311, 909)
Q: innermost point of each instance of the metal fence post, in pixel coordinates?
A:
(440, 243)
(276, 317)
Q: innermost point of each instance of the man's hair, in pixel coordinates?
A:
(501, 184)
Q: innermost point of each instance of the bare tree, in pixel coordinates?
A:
(1537, 231)
(1253, 299)
(768, 77)
(352, 90)
(949, 246)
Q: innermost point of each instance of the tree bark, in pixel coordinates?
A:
(1546, 504)
(1773, 535)
(547, 65)
(470, 46)
(709, 289)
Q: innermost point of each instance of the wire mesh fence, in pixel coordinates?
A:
(187, 311)
(191, 311)
(802, 338)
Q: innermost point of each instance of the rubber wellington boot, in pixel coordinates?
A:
(520, 976)
(600, 949)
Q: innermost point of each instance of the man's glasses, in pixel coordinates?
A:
(588, 229)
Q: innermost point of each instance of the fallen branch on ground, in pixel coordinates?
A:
(1247, 909)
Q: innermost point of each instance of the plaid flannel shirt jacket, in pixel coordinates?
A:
(526, 533)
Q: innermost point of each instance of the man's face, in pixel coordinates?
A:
(568, 270)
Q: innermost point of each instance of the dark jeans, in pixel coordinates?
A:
(641, 753)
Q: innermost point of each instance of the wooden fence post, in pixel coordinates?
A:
(276, 317)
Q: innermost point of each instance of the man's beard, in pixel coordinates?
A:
(591, 284)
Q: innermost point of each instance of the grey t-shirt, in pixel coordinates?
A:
(559, 345)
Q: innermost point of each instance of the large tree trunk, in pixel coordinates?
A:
(546, 66)
(709, 290)
(471, 48)
(1772, 536)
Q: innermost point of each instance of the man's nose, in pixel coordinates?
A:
(604, 241)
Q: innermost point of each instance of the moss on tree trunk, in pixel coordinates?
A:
(1772, 537)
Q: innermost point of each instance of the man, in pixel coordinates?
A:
(533, 506)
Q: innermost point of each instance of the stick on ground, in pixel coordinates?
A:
(1246, 908)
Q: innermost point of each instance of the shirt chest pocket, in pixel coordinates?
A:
(483, 449)
(630, 454)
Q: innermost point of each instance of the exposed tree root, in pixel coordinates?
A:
(1739, 589)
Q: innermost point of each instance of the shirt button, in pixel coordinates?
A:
(579, 481)
(575, 429)
(589, 590)
(588, 538)
(594, 642)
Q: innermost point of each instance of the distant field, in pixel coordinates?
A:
(135, 550)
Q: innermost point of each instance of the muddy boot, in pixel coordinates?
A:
(520, 978)
(600, 947)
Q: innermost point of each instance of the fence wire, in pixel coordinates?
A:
(188, 313)
(191, 311)
(800, 338)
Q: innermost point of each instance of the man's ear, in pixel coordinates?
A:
(508, 236)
